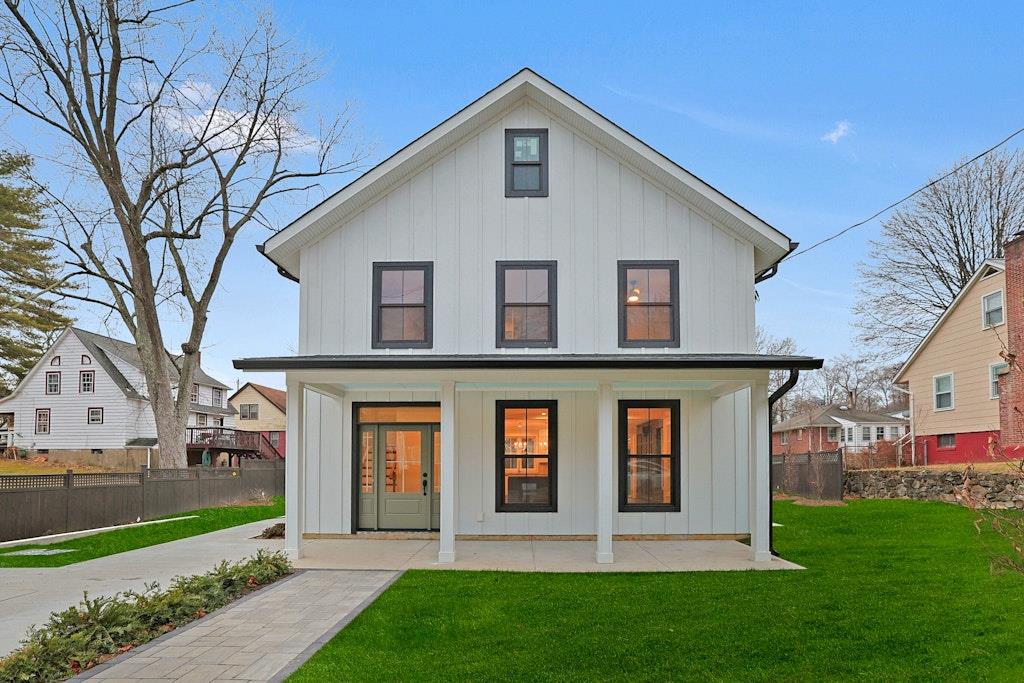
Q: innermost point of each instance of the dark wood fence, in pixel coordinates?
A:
(810, 475)
(41, 504)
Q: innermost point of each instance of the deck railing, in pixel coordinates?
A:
(229, 438)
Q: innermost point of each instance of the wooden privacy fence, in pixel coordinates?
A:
(810, 475)
(41, 504)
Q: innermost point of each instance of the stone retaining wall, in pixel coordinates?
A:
(997, 490)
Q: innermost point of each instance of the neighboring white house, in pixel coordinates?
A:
(85, 402)
(528, 322)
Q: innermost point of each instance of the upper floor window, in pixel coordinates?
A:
(527, 456)
(403, 305)
(943, 391)
(86, 360)
(42, 420)
(55, 360)
(649, 456)
(527, 294)
(992, 309)
(648, 303)
(249, 411)
(201, 419)
(193, 395)
(53, 382)
(86, 381)
(526, 162)
(993, 378)
(783, 438)
(217, 397)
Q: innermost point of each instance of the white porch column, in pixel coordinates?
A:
(446, 552)
(605, 474)
(295, 470)
(760, 467)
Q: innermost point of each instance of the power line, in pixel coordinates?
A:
(912, 194)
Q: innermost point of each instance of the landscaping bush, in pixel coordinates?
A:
(98, 629)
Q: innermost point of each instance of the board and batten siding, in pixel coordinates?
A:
(453, 212)
(713, 464)
(69, 428)
(960, 346)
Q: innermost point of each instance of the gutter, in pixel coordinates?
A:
(772, 270)
(280, 269)
(794, 375)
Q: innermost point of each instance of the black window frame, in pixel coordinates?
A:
(673, 268)
(675, 455)
(501, 267)
(428, 305)
(88, 415)
(510, 135)
(499, 455)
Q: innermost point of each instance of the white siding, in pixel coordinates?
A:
(69, 428)
(713, 465)
(454, 212)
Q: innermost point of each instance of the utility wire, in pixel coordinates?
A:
(909, 196)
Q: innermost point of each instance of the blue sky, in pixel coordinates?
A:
(745, 96)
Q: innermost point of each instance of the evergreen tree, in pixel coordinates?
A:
(30, 317)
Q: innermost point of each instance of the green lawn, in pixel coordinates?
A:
(113, 542)
(893, 590)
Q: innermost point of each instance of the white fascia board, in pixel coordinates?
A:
(284, 247)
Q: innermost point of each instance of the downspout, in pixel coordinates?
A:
(794, 375)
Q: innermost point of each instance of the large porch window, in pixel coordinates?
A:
(527, 456)
(649, 456)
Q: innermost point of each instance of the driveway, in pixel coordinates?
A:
(28, 596)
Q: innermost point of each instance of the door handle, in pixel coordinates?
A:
(424, 483)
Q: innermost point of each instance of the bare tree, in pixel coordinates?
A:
(928, 252)
(784, 346)
(175, 137)
(847, 380)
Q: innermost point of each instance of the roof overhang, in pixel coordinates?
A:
(284, 248)
(989, 264)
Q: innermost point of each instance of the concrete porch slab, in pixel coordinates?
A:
(534, 556)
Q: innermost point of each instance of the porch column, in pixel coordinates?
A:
(446, 552)
(605, 474)
(760, 467)
(295, 470)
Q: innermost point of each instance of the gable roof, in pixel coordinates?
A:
(825, 416)
(277, 397)
(989, 267)
(283, 248)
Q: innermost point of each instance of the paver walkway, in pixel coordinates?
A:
(28, 596)
(262, 637)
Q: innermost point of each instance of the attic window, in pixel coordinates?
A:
(989, 272)
(55, 360)
(526, 162)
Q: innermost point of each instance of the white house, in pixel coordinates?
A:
(528, 322)
(85, 402)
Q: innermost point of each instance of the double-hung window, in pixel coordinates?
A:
(249, 411)
(86, 381)
(217, 397)
(94, 416)
(942, 386)
(193, 395)
(53, 383)
(833, 433)
(527, 456)
(865, 433)
(526, 162)
(993, 378)
(992, 309)
(42, 420)
(879, 433)
(783, 438)
(649, 456)
(403, 305)
(527, 295)
(201, 419)
(649, 303)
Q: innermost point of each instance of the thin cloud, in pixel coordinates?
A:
(840, 131)
(815, 290)
(706, 117)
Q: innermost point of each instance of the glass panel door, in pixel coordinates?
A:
(404, 477)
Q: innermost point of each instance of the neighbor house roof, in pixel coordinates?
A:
(277, 397)
(989, 267)
(825, 416)
(283, 248)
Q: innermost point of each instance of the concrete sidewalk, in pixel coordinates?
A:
(28, 596)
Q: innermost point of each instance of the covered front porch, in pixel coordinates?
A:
(718, 461)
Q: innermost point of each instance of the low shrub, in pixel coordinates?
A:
(98, 629)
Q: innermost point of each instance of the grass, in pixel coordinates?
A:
(11, 466)
(893, 590)
(121, 540)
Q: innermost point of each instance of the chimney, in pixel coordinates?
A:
(851, 398)
(1011, 384)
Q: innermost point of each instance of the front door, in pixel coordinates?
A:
(404, 470)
